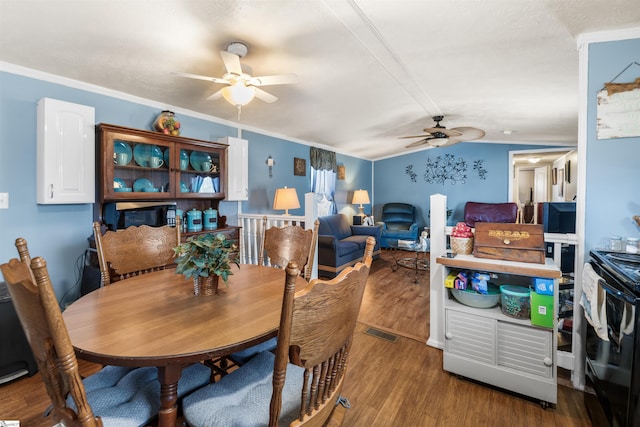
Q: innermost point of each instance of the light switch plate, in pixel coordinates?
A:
(4, 200)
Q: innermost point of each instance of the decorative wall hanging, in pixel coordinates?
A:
(482, 172)
(619, 108)
(554, 176)
(445, 169)
(409, 171)
(567, 171)
(270, 162)
(341, 172)
(299, 167)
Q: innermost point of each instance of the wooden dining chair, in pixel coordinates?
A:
(134, 250)
(114, 396)
(302, 382)
(281, 245)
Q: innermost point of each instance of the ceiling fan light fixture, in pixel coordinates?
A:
(438, 142)
(239, 93)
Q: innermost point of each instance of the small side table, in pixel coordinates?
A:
(417, 262)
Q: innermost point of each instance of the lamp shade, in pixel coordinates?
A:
(238, 93)
(360, 197)
(285, 199)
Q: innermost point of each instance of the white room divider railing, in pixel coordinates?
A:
(252, 232)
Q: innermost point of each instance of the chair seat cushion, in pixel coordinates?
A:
(243, 356)
(125, 397)
(242, 398)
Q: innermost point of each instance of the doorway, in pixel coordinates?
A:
(538, 176)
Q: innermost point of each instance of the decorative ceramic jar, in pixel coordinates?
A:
(210, 219)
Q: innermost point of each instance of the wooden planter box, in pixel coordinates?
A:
(510, 242)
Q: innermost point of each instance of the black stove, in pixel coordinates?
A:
(613, 352)
(624, 266)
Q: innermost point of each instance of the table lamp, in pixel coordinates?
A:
(286, 198)
(361, 197)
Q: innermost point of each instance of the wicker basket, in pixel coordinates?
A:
(462, 245)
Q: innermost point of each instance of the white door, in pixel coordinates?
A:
(540, 185)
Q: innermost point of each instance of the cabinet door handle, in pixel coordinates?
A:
(547, 361)
(448, 335)
(51, 192)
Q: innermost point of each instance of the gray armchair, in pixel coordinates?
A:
(398, 222)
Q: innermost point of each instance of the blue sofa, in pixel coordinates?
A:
(398, 222)
(341, 245)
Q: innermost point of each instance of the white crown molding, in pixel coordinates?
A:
(76, 84)
(608, 36)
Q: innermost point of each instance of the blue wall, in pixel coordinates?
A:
(59, 232)
(392, 183)
(613, 165)
(262, 188)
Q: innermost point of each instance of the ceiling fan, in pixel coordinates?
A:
(241, 87)
(439, 136)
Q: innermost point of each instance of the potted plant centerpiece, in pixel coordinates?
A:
(206, 258)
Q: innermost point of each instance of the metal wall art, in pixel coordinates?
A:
(409, 171)
(446, 168)
(482, 172)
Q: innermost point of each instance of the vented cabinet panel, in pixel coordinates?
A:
(525, 349)
(470, 336)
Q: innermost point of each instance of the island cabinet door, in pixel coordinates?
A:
(471, 337)
(525, 349)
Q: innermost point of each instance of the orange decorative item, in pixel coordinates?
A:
(167, 123)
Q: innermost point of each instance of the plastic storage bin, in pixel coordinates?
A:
(515, 301)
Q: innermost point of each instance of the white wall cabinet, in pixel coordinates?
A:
(65, 153)
(488, 346)
(237, 168)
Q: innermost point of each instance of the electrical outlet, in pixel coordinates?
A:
(4, 200)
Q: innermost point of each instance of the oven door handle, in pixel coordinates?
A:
(616, 292)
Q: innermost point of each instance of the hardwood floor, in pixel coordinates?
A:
(397, 383)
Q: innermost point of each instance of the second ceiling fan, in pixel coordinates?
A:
(439, 136)
(241, 87)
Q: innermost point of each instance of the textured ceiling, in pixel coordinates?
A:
(369, 70)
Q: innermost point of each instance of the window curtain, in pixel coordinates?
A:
(323, 179)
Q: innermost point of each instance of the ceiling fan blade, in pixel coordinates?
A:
(415, 136)
(199, 77)
(265, 96)
(231, 63)
(448, 132)
(469, 133)
(418, 143)
(215, 95)
(281, 79)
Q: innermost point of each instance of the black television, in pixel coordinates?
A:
(559, 217)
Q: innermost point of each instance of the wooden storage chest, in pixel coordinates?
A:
(511, 242)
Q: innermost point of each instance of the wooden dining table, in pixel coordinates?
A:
(156, 320)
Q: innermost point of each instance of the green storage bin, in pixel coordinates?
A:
(542, 312)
